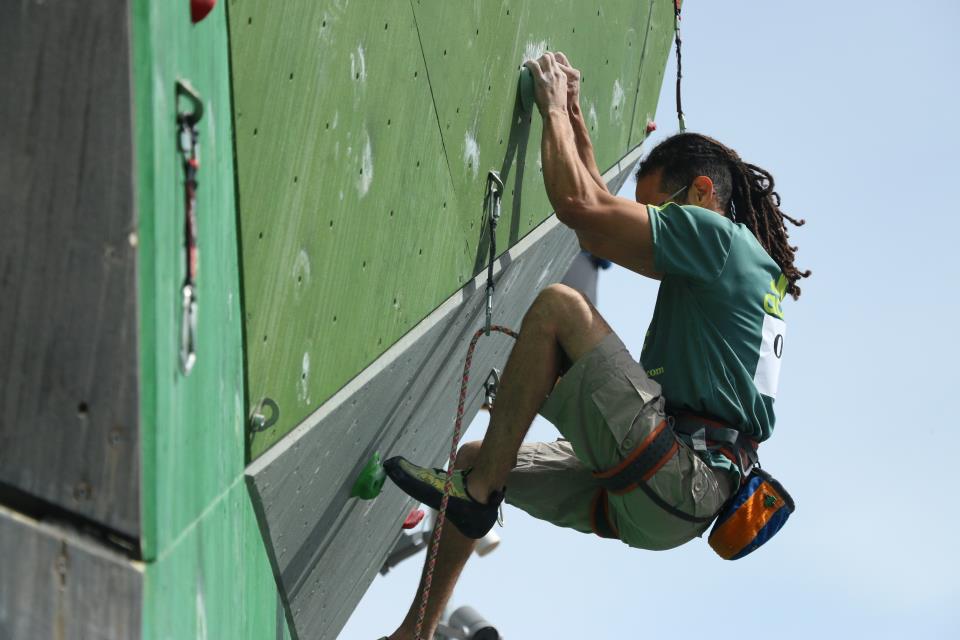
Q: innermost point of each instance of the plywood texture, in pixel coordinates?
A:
(326, 546)
(193, 445)
(68, 361)
(59, 585)
(364, 134)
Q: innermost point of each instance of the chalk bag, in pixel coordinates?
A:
(755, 514)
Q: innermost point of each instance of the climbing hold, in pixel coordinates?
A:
(413, 519)
(651, 127)
(370, 481)
(525, 89)
(200, 8)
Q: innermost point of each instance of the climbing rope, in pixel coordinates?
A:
(492, 207)
(676, 32)
(448, 485)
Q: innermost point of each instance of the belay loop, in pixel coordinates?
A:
(189, 148)
(492, 202)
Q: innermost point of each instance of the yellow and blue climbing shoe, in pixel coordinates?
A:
(472, 518)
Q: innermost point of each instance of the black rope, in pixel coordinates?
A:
(493, 256)
(676, 31)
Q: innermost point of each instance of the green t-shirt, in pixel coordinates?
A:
(716, 339)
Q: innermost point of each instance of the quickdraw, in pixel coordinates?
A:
(189, 148)
(492, 201)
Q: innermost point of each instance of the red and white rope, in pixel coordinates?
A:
(448, 485)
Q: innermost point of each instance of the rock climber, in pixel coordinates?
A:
(646, 454)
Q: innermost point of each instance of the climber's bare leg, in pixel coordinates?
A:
(560, 321)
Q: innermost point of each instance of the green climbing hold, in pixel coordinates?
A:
(525, 89)
(370, 481)
(769, 501)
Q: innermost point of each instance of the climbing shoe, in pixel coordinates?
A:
(473, 519)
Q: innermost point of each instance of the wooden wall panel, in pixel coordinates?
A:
(59, 585)
(68, 324)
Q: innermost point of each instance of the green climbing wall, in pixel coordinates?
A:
(207, 574)
(364, 132)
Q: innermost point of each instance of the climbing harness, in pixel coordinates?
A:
(679, 41)
(189, 149)
(634, 472)
(492, 200)
(709, 434)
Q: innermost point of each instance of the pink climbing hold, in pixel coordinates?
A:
(651, 127)
(200, 8)
(415, 517)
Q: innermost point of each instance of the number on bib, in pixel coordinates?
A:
(771, 352)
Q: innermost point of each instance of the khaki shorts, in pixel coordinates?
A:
(604, 406)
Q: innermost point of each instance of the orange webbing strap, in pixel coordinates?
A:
(644, 461)
(639, 466)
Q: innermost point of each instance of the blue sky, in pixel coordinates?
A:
(851, 105)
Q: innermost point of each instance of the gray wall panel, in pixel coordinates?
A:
(60, 586)
(68, 348)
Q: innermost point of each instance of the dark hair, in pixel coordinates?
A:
(745, 192)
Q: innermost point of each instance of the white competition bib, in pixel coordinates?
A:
(771, 353)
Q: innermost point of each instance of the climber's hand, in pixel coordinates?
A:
(549, 83)
(573, 80)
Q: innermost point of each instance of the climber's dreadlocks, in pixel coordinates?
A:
(744, 190)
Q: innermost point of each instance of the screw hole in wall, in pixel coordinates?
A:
(82, 409)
